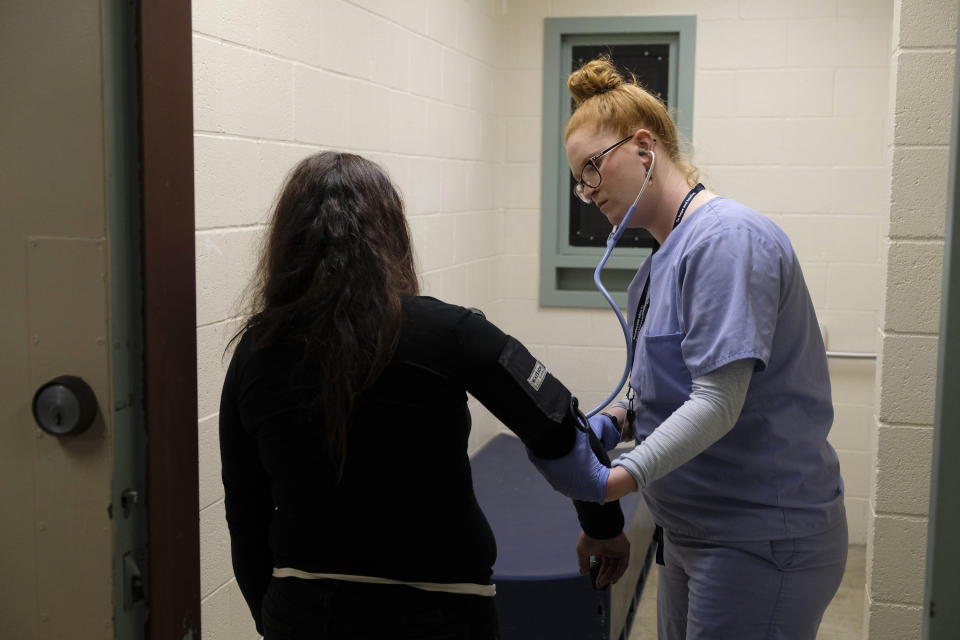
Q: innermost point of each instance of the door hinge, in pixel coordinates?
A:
(134, 580)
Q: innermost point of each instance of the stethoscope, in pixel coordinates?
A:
(612, 240)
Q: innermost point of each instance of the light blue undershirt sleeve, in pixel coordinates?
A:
(716, 400)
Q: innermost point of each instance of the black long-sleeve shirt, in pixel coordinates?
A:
(404, 507)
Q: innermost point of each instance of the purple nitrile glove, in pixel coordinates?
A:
(578, 474)
(606, 431)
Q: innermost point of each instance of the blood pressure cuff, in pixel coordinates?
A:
(547, 393)
(554, 401)
(548, 429)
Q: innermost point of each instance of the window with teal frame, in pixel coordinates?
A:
(659, 50)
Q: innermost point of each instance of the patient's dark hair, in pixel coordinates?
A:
(336, 264)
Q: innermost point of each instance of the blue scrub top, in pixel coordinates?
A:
(726, 285)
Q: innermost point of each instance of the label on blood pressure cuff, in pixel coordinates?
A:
(536, 377)
(550, 396)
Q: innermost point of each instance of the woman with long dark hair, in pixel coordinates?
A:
(344, 426)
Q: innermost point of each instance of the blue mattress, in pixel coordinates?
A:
(540, 593)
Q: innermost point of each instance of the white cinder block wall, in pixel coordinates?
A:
(922, 73)
(791, 103)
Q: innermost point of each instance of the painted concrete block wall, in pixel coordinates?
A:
(791, 105)
(922, 78)
(411, 85)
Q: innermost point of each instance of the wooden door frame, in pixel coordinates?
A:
(169, 319)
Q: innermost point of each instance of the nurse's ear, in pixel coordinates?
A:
(644, 141)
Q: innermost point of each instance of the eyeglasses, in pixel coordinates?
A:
(590, 174)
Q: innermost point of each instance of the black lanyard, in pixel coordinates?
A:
(644, 304)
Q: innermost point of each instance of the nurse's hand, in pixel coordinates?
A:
(578, 474)
(606, 431)
(621, 415)
(613, 554)
(626, 428)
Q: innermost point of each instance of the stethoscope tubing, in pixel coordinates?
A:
(612, 240)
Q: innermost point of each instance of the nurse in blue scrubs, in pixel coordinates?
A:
(729, 397)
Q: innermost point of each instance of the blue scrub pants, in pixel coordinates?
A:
(771, 590)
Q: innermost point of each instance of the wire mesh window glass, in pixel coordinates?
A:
(659, 52)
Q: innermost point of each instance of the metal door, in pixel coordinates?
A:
(64, 532)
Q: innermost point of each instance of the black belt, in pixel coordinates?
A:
(658, 538)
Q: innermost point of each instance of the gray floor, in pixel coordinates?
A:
(843, 619)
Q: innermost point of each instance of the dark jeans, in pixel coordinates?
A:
(298, 609)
